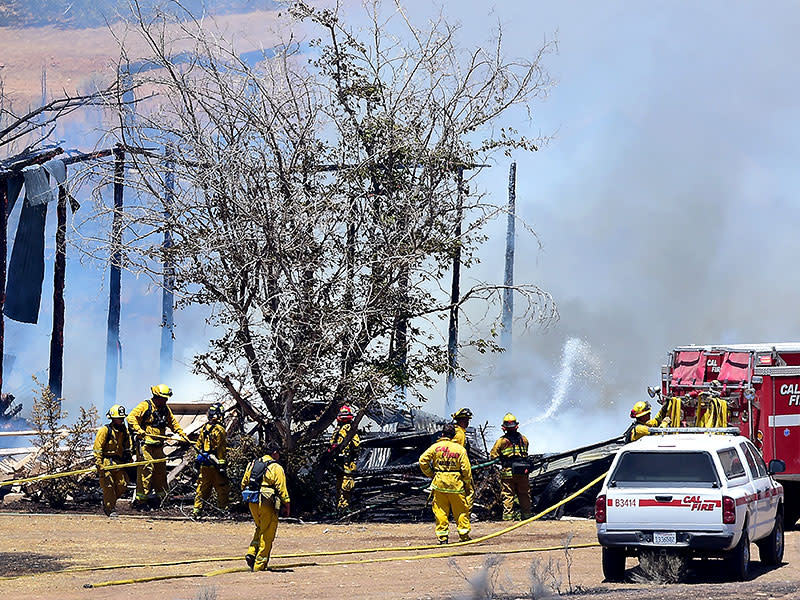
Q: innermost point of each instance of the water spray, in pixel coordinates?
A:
(574, 352)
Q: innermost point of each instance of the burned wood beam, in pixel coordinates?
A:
(59, 277)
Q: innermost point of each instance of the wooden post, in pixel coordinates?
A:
(168, 283)
(112, 339)
(452, 330)
(59, 275)
(3, 254)
(508, 280)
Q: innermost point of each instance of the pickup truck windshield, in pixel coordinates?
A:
(659, 468)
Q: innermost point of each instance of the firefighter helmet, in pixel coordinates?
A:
(462, 413)
(215, 411)
(715, 387)
(510, 421)
(116, 412)
(162, 390)
(640, 409)
(345, 414)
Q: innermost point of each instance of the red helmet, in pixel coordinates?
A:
(345, 414)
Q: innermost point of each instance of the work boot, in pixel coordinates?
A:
(464, 537)
(443, 541)
(250, 559)
(113, 515)
(195, 515)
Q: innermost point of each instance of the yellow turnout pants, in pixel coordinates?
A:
(344, 484)
(519, 487)
(113, 483)
(266, 519)
(152, 477)
(209, 478)
(443, 503)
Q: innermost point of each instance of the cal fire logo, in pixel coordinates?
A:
(698, 504)
(791, 391)
(712, 365)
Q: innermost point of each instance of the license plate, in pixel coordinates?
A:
(665, 539)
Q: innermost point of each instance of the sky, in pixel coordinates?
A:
(664, 205)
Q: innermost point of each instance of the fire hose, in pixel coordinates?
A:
(79, 472)
(358, 551)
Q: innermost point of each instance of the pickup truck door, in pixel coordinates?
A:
(764, 504)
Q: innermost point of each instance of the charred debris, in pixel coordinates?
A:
(389, 485)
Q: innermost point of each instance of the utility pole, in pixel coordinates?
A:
(508, 280)
(112, 339)
(455, 293)
(168, 283)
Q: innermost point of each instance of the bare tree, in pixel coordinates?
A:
(315, 207)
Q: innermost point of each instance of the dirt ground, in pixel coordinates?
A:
(42, 543)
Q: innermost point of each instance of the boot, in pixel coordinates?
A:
(464, 537)
(443, 541)
(250, 559)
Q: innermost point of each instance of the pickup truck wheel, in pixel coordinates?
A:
(739, 558)
(613, 564)
(770, 549)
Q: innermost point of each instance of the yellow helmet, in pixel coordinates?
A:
(462, 413)
(510, 421)
(640, 409)
(162, 390)
(116, 412)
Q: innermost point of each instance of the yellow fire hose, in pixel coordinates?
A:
(79, 472)
(357, 551)
(339, 563)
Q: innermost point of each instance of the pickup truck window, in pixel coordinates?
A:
(657, 468)
(731, 463)
(757, 466)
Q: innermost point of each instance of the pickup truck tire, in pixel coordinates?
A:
(739, 557)
(613, 564)
(770, 549)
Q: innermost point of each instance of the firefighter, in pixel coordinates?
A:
(512, 450)
(642, 423)
(461, 418)
(112, 446)
(640, 413)
(448, 464)
(211, 453)
(344, 457)
(264, 490)
(149, 422)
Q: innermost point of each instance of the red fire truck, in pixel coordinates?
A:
(761, 385)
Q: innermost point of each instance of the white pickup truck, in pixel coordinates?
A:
(691, 494)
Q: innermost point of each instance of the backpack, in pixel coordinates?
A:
(252, 492)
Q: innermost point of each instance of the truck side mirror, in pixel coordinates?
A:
(776, 465)
(653, 392)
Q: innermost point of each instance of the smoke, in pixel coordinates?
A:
(665, 203)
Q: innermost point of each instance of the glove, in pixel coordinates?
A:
(223, 471)
(666, 422)
(285, 510)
